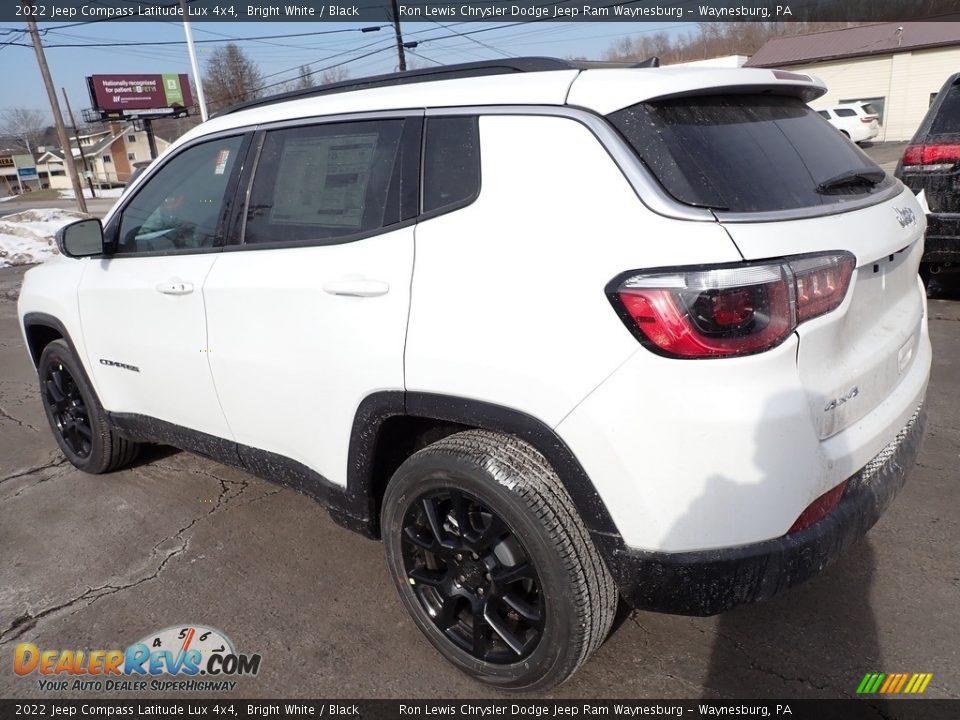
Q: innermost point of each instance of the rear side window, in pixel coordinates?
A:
(947, 121)
(451, 162)
(746, 153)
(845, 112)
(824, 114)
(324, 182)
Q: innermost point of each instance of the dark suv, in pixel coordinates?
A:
(931, 163)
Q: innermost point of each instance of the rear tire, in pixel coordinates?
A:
(77, 419)
(493, 562)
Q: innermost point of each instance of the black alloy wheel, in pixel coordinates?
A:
(78, 421)
(68, 409)
(472, 576)
(493, 563)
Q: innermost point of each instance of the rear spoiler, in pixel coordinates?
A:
(606, 91)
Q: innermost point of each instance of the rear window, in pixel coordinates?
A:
(947, 121)
(869, 109)
(745, 153)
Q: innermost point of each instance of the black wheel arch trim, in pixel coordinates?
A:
(39, 319)
(379, 407)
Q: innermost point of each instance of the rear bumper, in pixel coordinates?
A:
(942, 242)
(710, 582)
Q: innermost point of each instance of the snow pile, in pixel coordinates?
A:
(101, 193)
(28, 237)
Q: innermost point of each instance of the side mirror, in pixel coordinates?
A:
(82, 238)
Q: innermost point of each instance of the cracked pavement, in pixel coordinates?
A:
(97, 562)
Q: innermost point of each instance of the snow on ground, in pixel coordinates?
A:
(104, 193)
(28, 237)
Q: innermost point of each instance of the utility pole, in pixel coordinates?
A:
(151, 138)
(76, 132)
(55, 107)
(396, 29)
(194, 65)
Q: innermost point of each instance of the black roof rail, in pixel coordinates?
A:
(442, 72)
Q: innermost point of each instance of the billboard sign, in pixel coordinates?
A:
(132, 94)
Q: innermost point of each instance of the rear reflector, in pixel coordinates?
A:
(732, 310)
(931, 158)
(819, 508)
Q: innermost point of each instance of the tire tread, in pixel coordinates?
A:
(515, 464)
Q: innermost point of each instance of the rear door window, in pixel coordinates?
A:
(746, 153)
(845, 112)
(326, 183)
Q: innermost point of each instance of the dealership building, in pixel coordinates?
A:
(897, 67)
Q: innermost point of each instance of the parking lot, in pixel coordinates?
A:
(98, 562)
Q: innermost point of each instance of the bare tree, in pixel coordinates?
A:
(337, 74)
(304, 78)
(25, 125)
(711, 40)
(231, 77)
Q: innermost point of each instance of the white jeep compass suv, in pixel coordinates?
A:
(557, 336)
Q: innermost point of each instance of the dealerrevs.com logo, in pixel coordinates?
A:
(199, 658)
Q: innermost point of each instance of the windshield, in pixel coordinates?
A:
(745, 153)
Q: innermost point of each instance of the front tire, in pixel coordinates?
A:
(78, 421)
(493, 562)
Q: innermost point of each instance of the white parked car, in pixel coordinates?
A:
(858, 121)
(557, 336)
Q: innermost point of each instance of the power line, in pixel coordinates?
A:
(372, 28)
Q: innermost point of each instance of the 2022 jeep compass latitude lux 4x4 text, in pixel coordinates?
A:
(558, 336)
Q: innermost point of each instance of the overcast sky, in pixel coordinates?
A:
(278, 58)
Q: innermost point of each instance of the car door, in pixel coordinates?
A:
(308, 315)
(142, 306)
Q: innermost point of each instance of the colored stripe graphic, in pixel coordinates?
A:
(894, 683)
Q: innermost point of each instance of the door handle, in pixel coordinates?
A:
(175, 287)
(356, 288)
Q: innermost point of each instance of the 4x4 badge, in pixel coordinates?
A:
(905, 216)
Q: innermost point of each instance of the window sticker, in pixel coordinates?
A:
(221, 165)
(323, 180)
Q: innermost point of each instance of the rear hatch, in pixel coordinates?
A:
(932, 160)
(783, 183)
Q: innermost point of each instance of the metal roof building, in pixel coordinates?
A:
(899, 67)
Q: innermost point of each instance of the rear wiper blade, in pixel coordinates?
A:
(852, 178)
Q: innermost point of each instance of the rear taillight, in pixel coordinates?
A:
(931, 158)
(731, 310)
(867, 119)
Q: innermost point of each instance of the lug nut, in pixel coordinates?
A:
(475, 556)
(488, 576)
(479, 591)
(459, 556)
(460, 579)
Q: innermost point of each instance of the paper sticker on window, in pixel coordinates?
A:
(221, 165)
